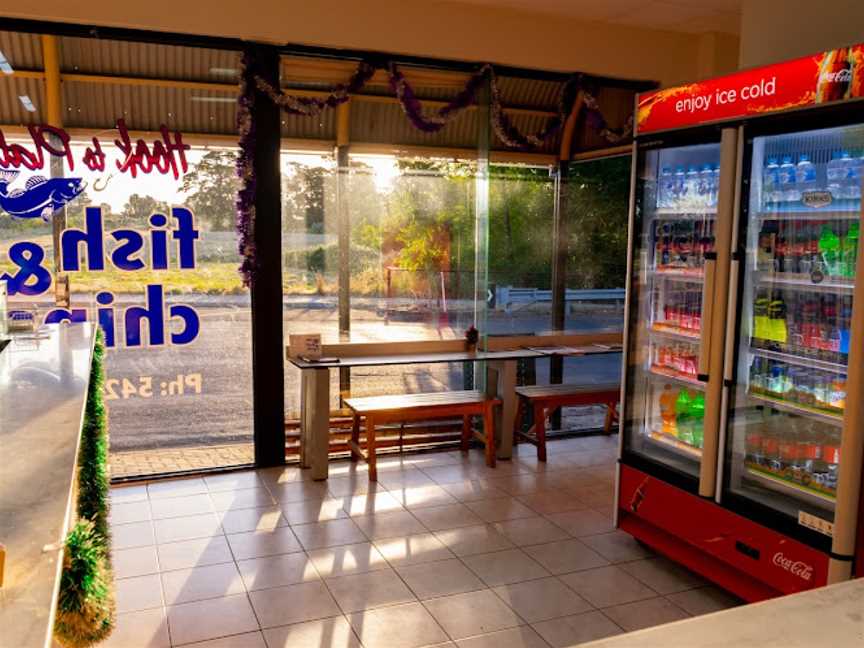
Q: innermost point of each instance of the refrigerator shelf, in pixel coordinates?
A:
(850, 214)
(801, 282)
(676, 376)
(672, 444)
(779, 484)
(795, 408)
(694, 275)
(675, 332)
(790, 358)
(685, 213)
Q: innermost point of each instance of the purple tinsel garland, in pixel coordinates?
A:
(246, 173)
(504, 128)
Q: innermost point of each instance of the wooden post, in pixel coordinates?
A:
(343, 214)
(54, 117)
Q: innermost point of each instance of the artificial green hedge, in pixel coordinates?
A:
(85, 607)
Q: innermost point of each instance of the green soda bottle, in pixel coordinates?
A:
(697, 419)
(829, 248)
(682, 416)
(849, 246)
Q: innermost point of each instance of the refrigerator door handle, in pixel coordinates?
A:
(703, 369)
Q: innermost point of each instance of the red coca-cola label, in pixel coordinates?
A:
(831, 454)
(836, 75)
(795, 567)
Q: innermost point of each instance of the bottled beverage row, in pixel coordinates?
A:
(682, 412)
(682, 310)
(815, 249)
(695, 187)
(795, 450)
(801, 385)
(792, 179)
(682, 245)
(679, 357)
(804, 324)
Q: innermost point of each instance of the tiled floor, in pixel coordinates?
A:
(442, 552)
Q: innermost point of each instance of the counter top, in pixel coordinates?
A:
(43, 390)
(828, 616)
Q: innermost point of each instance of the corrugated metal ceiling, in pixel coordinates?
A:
(209, 110)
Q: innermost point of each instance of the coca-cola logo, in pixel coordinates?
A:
(794, 567)
(840, 76)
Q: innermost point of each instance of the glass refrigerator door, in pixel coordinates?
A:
(676, 204)
(783, 447)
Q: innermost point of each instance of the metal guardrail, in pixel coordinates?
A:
(507, 296)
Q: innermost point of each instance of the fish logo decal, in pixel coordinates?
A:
(40, 198)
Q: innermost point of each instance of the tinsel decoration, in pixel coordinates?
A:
(85, 604)
(434, 121)
(245, 172)
(413, 109)
(313, 106)
(93, 479)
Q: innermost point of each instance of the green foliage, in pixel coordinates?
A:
(138, 209)
(315, 261)
(85, 606)
(212, 190)
(93, 479)
(595, 206)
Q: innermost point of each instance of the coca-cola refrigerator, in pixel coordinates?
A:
(741, 427)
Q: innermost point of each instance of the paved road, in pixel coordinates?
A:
(218, 408)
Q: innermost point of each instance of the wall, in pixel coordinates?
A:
(443, 30)
(775, 30)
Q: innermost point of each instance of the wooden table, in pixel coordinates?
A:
(315, 395)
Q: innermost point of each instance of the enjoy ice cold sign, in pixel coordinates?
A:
(831, 76)
(122, 249)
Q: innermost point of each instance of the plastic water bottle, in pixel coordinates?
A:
(715, 185)
(771, 181)
(854, 172)
(692, 184)
(706, 181)
(666, 189)
(680, 185)
(805, 175)
(835, 173)
(787, 191)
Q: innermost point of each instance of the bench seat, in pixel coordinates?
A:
(407, 407)
(545, 399)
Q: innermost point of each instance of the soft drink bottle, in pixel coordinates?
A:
(829, 248)
(778, 333)
(788, 448)
(753, 446)
(666, 192)
(851, 177)
(667, 410)
(805, 175)
(697, 419)
(836, 174)
(845, 324)
(830, 463)
(680, 188)
(771, 442)
(760, 318)
(849, 251)
(692, 184)
(781, 249)
(770, 181)
(715, 185)
(787, 189)
(682, 416)
(706, 180)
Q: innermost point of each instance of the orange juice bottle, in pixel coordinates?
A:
(667, 410)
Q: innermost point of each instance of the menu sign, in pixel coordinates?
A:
(837, 75)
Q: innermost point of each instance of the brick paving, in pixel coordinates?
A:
(170, 460)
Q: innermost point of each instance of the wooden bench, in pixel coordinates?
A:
(408, 407)
(545, 399)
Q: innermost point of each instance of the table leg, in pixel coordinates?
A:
(318, 404)
(305, 421)
(505, 416)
